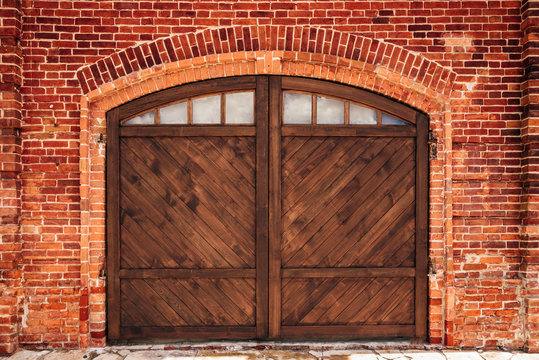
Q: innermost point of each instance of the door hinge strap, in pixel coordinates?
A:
(433, 146)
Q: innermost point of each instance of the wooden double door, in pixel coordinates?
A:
(238, 208)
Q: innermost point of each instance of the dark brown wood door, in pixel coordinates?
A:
(187, 203)
(348, 227)
(277, 228)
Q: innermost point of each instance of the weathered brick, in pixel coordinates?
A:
(462, 57)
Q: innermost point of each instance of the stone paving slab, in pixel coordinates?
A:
(282, 352)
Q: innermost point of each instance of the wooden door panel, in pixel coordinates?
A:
(348, 206)
(187, 237)
(347, 301)
(266, 230)
(188, 302)
(344, 208)
(178, 192)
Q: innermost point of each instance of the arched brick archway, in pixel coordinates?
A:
(299, 49)
(296, 51)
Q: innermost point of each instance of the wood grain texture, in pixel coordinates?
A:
(422, 224)
(348, 301)
(188, 333)
(183, 130)
(262, 206)
(345, 199)
(188, 302)
(274, 284)
(347, 331)
(267, 231)
(113, 226)
(349, 130)
(187, 192)
(186, 273)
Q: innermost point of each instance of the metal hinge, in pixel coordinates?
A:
(103, 273)
(100, 139)
(430, 268)
(433, 146)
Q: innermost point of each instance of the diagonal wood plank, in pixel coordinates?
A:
(179, 213)
(360, 247)
(347, 315)
(389, 243)
(238, 152)
(289, 149)
(193, 182)
(304, 151)
(198, 164)
(355, 223)
(176, 303)
(356, 180)
(303, 212)
(211, 300)
(345, 221)
(145, 300)
(199, 183)
(402, 289)
(174, 222)
(364, 158)
(243, 316)
(301, 169)
(154, 218)
(404, 312)
(332, 299)
(355, 287)
(324, 174)
(201, 315)
(212, 205)
(293, 314)
(134, 249)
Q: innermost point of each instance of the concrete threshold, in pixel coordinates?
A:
(278, 350)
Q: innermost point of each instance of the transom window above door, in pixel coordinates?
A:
(301, 108)
(238, 108)
(231, 108)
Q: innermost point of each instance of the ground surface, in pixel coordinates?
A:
(272, 351)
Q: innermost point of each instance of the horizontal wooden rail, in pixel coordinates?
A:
(188, 333)
(358, 331)
(186, 273)
(347, 272)
(349, 130)
(189, 130)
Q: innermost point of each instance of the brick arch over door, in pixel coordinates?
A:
(296, 51)
(338, 51)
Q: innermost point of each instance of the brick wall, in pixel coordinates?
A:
(483, 183)
(530, 166)
(10, 167)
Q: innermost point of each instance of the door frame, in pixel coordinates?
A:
(258, 130)
(267, 96)
(278, 84)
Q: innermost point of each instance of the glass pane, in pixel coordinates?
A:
(297, 108)
(329, 111)
(207, 110)
(174, 114)
(240, 108)
(390, 120)
(144, 119)
(360, 115)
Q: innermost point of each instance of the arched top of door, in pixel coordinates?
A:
(231, 101)
(310, 52)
